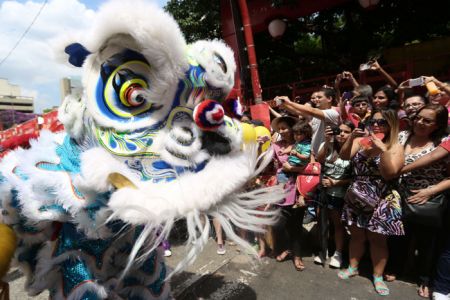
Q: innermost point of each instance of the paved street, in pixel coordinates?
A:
(244, 279)
(237, 276)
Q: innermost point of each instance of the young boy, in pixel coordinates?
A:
(300, 152)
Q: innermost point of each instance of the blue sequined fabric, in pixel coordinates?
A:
(85, 265)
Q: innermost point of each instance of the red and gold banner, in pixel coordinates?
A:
(19, 135)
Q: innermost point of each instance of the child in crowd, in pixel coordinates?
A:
(300, 152)
(359, 111)
(336, 178)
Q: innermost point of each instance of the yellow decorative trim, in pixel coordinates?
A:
(174, 112)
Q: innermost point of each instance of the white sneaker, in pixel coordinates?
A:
(221, 249)
(318, 260)
(167, 253)
(336, 261)
(439, 296)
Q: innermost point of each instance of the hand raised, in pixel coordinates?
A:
(377, 142)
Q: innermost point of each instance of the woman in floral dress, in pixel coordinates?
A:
(371, 210)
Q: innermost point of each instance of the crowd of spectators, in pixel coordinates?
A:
(384, 176)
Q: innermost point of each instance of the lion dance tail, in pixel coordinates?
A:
(7, 247)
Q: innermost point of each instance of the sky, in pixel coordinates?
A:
(32, 64)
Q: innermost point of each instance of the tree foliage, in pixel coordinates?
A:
(198, 19)
(345, 36)
(327, 41)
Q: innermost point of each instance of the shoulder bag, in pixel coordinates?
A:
(431, 213)
(362, 196)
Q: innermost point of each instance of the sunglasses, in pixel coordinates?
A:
(379, 122)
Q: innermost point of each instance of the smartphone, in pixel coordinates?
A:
(364, 67)
(275, 102)
(362, 126)
(278, 101)
(336, 130)
(416, 82)
(347, 95)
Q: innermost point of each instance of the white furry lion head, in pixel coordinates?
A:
(137, 67)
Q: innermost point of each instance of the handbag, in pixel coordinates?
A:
(309, 180)
(431, 213)
(362, 196)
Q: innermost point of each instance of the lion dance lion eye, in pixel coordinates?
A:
(121, 92)
(130, 88)
(220, 61)
(133, 95)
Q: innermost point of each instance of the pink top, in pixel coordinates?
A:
(445, 144)
(279, 160)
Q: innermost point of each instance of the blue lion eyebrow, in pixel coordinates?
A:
(77, 54)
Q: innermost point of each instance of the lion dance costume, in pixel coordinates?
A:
(150, 140)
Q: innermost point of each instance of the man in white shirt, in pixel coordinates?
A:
(323, 114)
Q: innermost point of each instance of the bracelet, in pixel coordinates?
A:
(430, 187)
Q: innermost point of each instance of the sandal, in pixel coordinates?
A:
(347, 273)
(380, 286)
(283, 256)
(424, 291)
(298, 264)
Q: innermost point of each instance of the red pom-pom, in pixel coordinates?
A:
(208, 115)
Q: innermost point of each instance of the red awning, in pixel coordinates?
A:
(22, 133)
(19, 141)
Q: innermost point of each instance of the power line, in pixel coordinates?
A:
(23, 34)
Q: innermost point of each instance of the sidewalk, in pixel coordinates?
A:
(235, 275)
(238, 276)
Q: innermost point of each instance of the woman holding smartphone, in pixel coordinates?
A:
(370, 211)
(336, 178)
